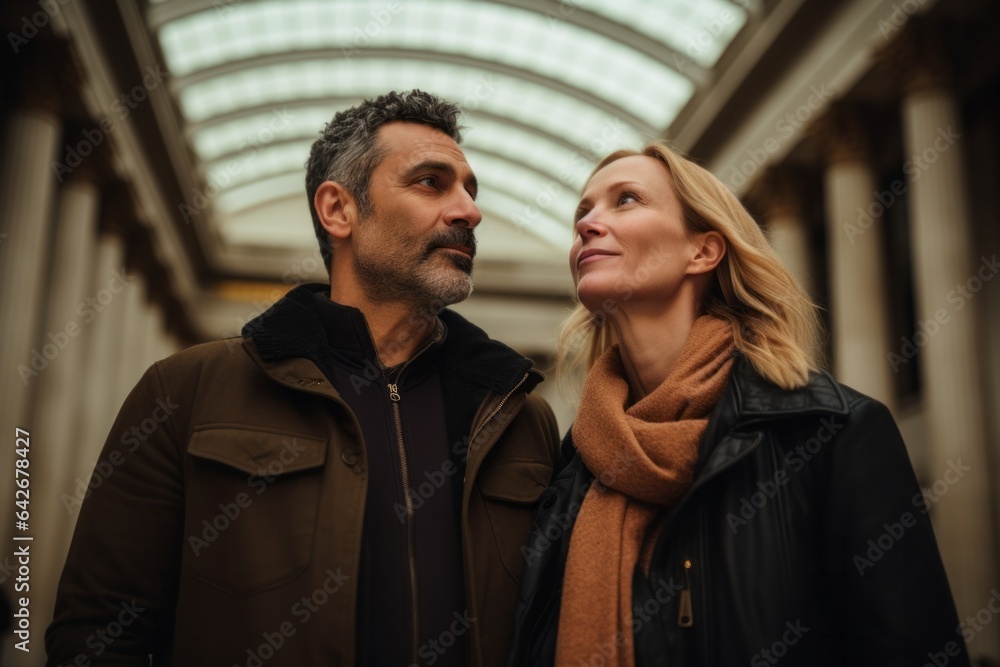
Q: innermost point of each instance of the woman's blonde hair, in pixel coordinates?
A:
(774, 322)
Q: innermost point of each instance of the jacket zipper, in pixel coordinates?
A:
(685, 615)
(493, 414)
(404, 466)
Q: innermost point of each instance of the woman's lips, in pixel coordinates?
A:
(592, 255)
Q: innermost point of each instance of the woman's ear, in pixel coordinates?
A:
(710, 248)
(336, 210)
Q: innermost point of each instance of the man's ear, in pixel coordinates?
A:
(710, 248)
(336, 209)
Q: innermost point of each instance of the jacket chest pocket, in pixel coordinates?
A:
(510, 490)
(251, 504)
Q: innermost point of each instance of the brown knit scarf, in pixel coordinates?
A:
(643, 458)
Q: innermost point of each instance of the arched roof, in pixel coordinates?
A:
(548, 87)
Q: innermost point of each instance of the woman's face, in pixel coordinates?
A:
(631, 244)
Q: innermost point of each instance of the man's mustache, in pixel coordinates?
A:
(458, 236)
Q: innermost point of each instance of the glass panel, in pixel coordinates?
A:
(534, 198)
(252, 126)
(700, 30)
(522, 39)
(504, 96)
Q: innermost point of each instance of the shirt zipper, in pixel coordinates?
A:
(404, 466)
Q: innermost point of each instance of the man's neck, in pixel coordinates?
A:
(398, 330)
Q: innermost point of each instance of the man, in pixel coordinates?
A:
(354, 484)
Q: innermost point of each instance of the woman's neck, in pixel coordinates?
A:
(650, 341)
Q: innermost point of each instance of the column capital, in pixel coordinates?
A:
(918, 58)
(842, 133)
(777, 193)
(117, 213)
(48, 78)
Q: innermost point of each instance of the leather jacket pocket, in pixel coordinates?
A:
(250, 509)
(510, 489)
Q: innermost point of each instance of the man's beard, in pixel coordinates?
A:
(417, 280)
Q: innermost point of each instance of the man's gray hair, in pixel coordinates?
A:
(347, 151)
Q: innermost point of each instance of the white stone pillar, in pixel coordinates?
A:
(777, 198)
(132, 336)
(60, 387)
(156, 336)
(858, 310)
(30, 142)
(105, 312)
(949, 274)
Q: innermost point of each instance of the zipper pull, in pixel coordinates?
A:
(393, 392)
(685, 618)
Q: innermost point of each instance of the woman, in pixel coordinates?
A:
(724, 501)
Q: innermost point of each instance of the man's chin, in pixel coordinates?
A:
(454, 290)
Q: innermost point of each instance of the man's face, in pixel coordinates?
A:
(417, 246)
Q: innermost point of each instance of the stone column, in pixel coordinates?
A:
(132, 337)
(60, 387)
(858, 311)
(154, 335)
(777, 197)
(949, 272)
(105, 316)
(30, 143)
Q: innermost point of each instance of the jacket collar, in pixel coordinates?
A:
(757, 399)
(748, 402)
(295, 327)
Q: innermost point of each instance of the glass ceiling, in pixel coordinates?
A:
(548, 88)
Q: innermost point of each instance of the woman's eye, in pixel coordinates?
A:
(626, 198)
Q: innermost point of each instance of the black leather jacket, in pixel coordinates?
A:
(804, 539)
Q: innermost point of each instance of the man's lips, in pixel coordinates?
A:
(460, 248)
(592, 255)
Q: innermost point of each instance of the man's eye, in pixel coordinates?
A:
(430, 181)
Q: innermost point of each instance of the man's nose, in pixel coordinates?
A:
(465, 213)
